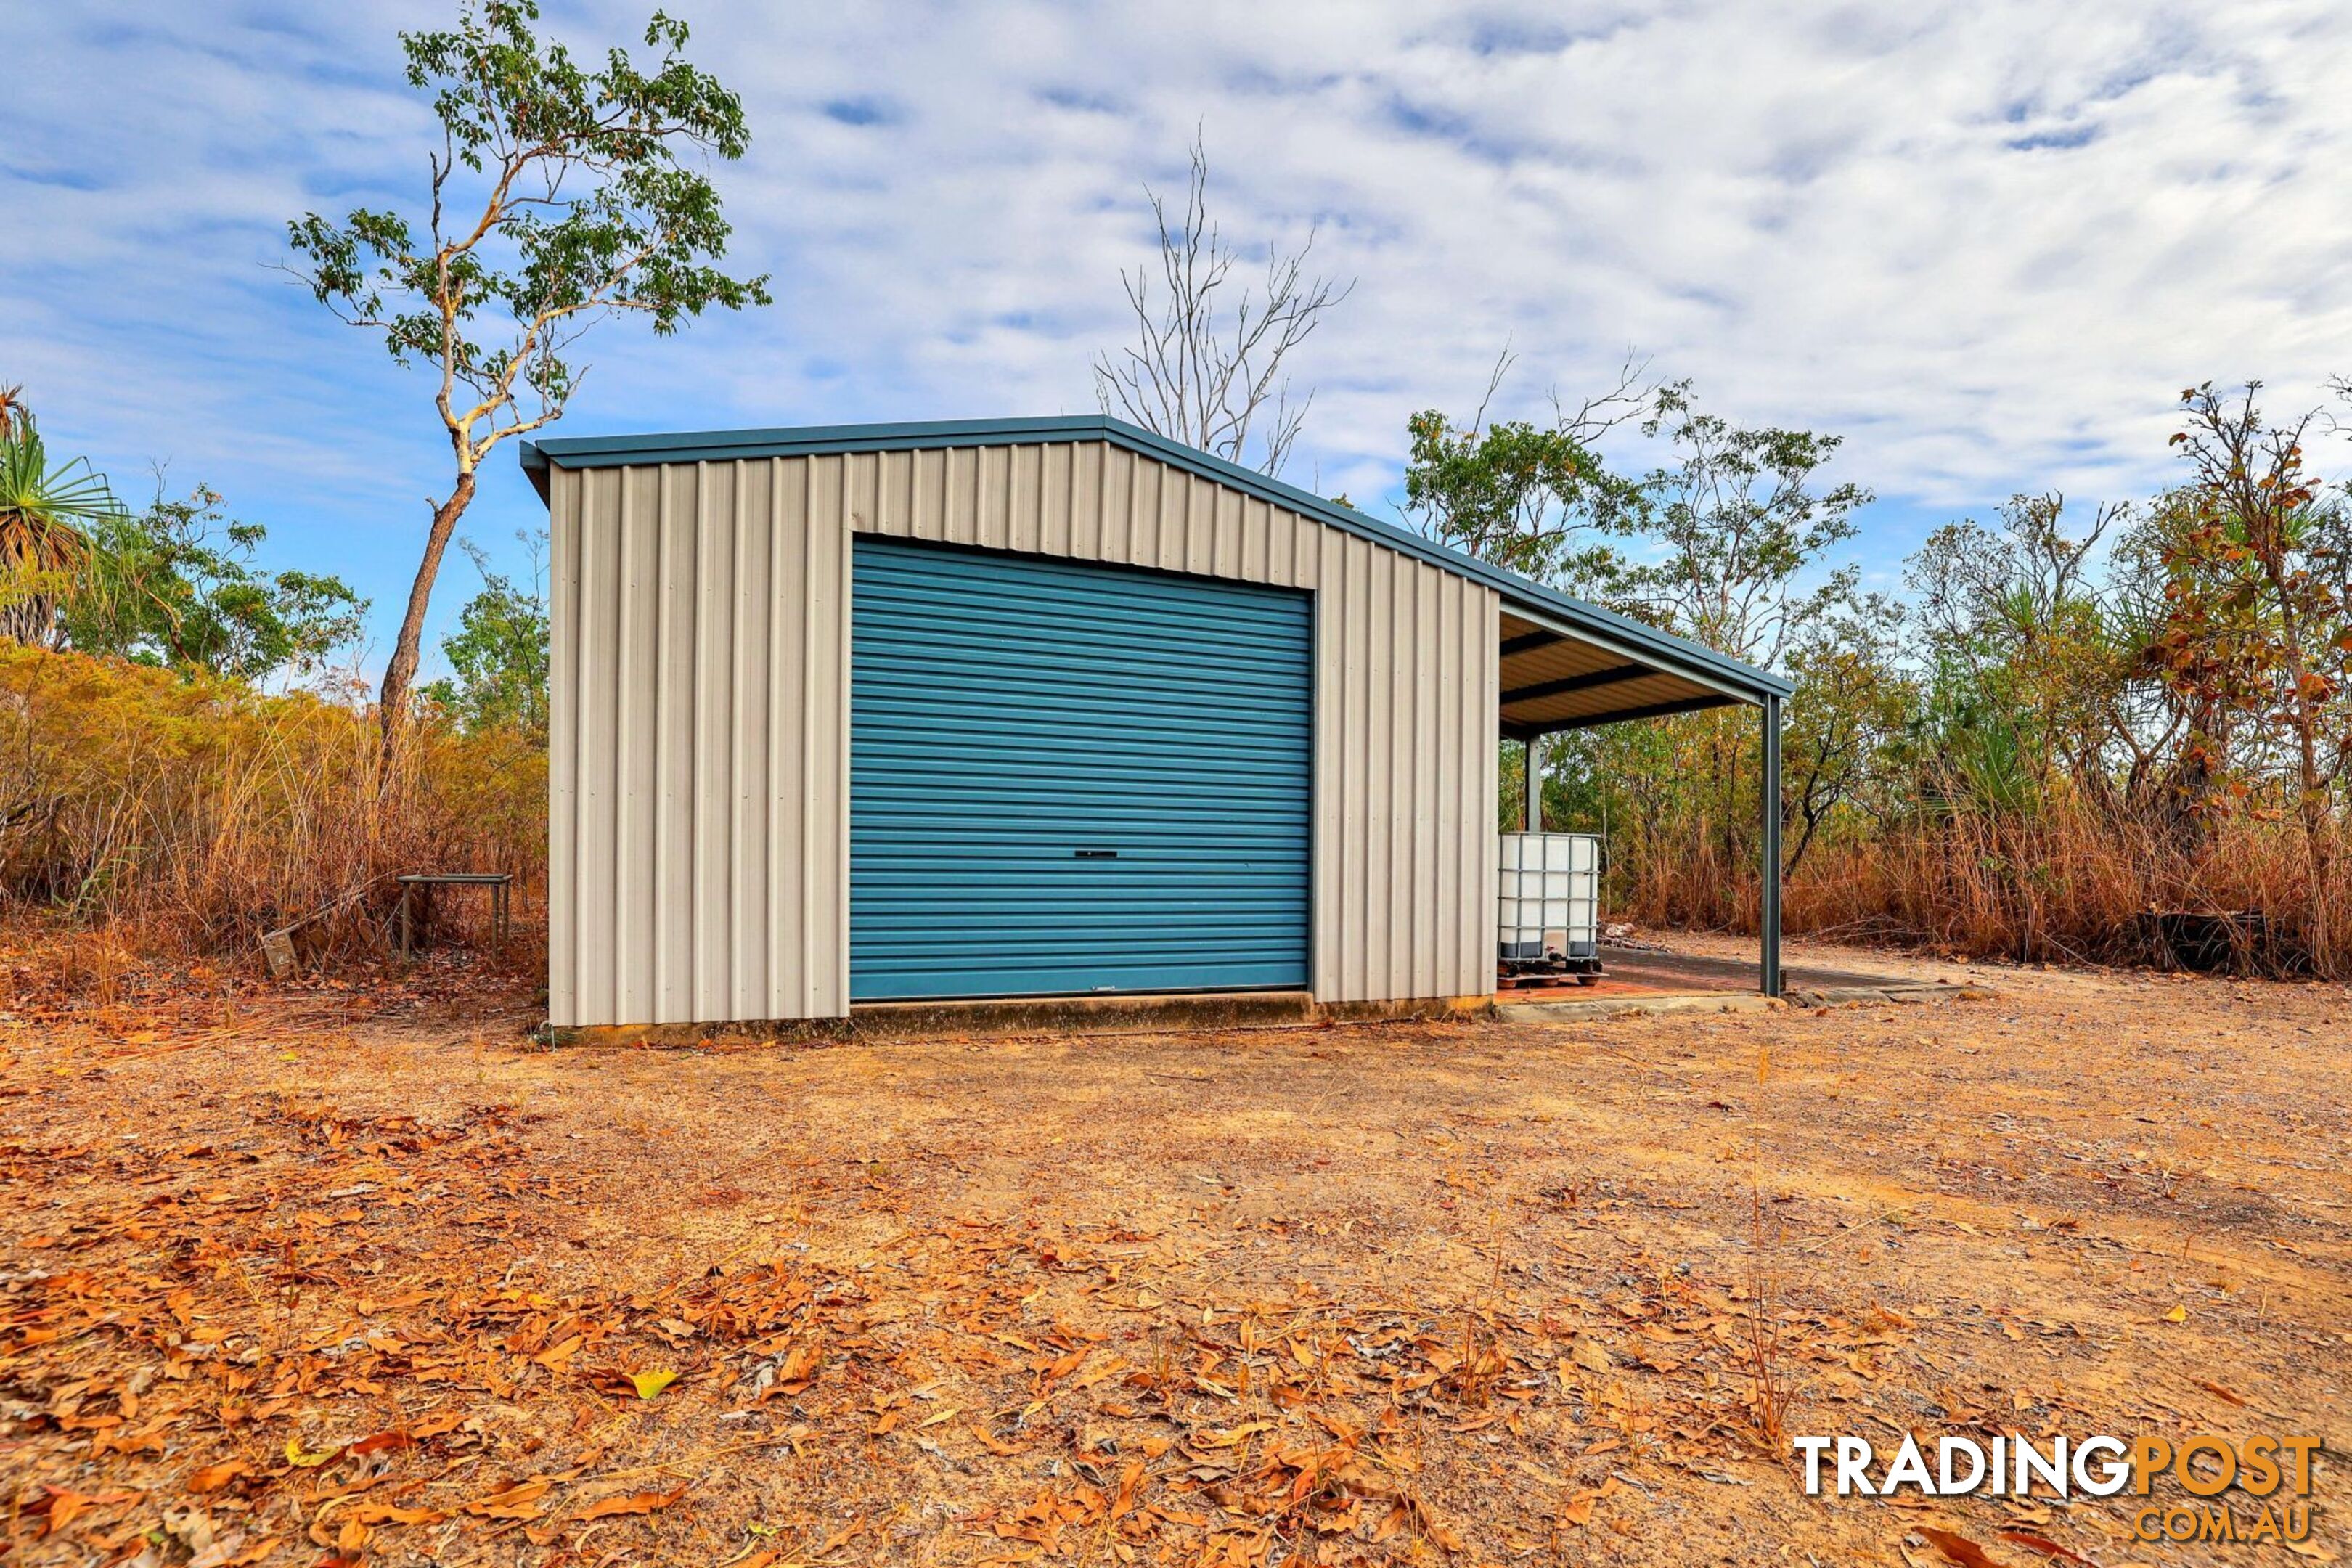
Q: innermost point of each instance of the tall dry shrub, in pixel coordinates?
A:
(2069, 883)
(197, 813)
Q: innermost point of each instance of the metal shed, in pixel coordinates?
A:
(1037, 707)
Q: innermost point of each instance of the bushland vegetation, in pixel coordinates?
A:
(559, 194)
(2115, 732)
(186, 756)
(2112, 731)
(2118, 728)
(184, 752)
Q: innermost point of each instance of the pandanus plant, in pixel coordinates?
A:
(44, 513)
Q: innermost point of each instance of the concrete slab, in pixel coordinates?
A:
(1629, 970)
(1143, 1014)
(1585, 1009)
(1863, 995)
(1108, 1014)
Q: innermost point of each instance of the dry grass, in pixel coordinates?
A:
(154, 813)
(2068, 885)
(1466, 1294)
(188, 815)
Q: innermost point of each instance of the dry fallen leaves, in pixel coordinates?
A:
(296, 1454)
(1959, 1548)
(519, 1500)
(2045, 1545)
(212, 1478)
(269, 1283)
(1578, 1509)
(634, 1502)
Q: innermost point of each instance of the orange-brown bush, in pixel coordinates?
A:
(193, 814)
(2067, 883)
(2121, 735)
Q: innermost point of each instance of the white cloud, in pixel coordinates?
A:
(1987, 242)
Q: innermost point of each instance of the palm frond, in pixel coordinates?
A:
(45, 510)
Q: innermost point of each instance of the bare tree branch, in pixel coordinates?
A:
(1625, 401)
(1197, 372)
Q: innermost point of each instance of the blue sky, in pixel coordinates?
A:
(1986, 242)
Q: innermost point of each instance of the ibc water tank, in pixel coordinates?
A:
(1549, 895)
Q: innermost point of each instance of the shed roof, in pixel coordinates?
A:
(1566, 664)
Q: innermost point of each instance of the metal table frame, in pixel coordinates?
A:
(500, 883)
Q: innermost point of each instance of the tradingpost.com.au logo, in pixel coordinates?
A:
(2214, 1473)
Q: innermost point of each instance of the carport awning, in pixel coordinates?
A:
(1553, 679)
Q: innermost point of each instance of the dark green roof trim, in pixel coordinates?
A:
(1615, 675)
(1545, 606)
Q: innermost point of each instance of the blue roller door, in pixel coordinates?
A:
(1067, 777)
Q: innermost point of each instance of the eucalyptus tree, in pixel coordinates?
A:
(1535, 499)
(1737, 532)
(559, 194)
(2260, 617)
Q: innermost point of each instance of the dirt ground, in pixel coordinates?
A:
(367, 1275)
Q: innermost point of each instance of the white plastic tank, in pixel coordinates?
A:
(1549, 887)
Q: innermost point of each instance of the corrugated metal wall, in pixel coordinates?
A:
(700, 793)
(699, 758)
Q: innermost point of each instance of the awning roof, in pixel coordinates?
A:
(1566, 664)
(1553, 682)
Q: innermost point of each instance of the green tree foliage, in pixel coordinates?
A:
(1727, 541)
(560, 193)
(176, 587)
(46, 510)
(2029, 660)
(1844, 730)
(1533, 499)
(498, 653)
(1738, 527)
(2073, 718)
(1529, 500)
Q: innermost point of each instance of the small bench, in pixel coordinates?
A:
(500, 883)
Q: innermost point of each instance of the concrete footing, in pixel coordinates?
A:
(1112, 1015)
(1200, 1013)
(1729, 1002)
